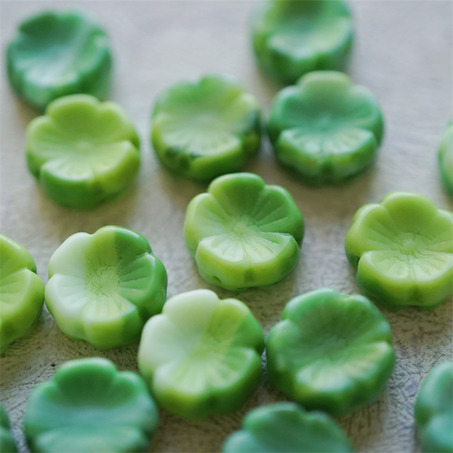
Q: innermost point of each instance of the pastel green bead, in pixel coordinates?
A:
(56, 54)
(82, 152)
(201, 356)
(291, 38)
(7, 444)
(324, 128)
(90, 406)
(445, 158)
(331, 351)
(206, 128)
(402, 249)
(103, 287)
(287, 428)
(21, 292)
(434, 410)
(243, 233)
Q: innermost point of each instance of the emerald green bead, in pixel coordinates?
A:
(7, 444)
(90, 406)
(103, 287)
(445, 158)
(82, 152)
(331, 351)
(206, 128)
(243, 233)
(21, 292)
(434, 410)
(324, 128)
(287, 428)
(57, 54)
(402, 249)
(291, 38)
(201, 356)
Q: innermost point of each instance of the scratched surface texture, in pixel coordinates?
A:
(403, 53)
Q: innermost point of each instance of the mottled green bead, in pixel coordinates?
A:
(7, 444)
(90, 406)
(56, 54)
(331, 351)
(445, 158)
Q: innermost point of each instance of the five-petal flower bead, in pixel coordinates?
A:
(82, 151)
(21, 292)
(403, 251)
(103, 287)
(206, 128)
(90, 406)
(201, 356)
(325, 128)
(57, 54)
(243, 233)
(331, 351)
(291, 38)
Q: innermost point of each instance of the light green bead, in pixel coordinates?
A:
(243, 233)
(434, 410)
(402, 249)
(90, 406)
(201, 356)
(56, 54)
(21, 292)
(103, 287)
(325, 129)
(331, 351)
(445, 158)
(206, 128)
(82, 152)
(287, 428)
(291, 38)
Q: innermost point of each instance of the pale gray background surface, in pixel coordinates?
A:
(403, 53)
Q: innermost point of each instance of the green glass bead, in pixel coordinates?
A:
(103, 287)
(56, 54)
(21, 292)
(291, 38)
(7, 444)
(243, 233)
(82, 151)
(331, 351)
(201, 356)
(434, 410)
(206, 128)
(90, 406)
(445, 158)
(402, 249)
(325, 129)
(287, 428)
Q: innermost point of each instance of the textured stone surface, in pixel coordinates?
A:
(403, 54)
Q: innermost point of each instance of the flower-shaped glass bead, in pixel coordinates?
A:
(291, 38)
(325, 128)
(331, 351)
(56, 54)
(434, 410)
(206, 128)
(90, 406)
(103, 287)
(243, 233)
(445, 157)
(287, 427)
(21, 292)
(402, 249)
(201, 356)
(7, 444)
(82, 151)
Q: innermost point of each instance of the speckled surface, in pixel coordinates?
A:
(403, 53)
